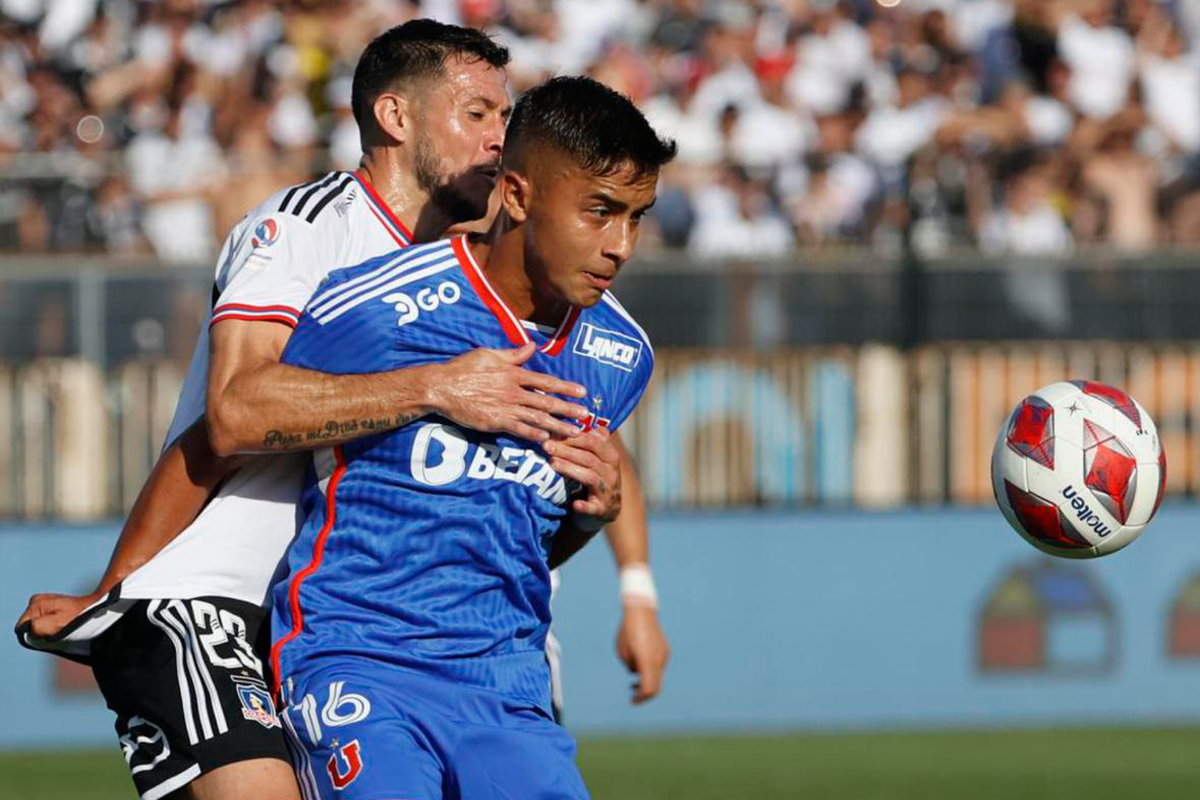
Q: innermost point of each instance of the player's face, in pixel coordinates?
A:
(460, 136)
(583, 227)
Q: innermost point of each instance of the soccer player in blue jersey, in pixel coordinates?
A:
(197, 555)
(410, 630)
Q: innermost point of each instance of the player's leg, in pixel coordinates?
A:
(185, 682)
(259, 778)
(554, 656)
(350, 740)
(507, 750)
(554, 661)
(530, 757)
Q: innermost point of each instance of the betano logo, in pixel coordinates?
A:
(428, 299)
(609, 347)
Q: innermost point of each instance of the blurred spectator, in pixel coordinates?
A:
(736, 218)
(800, 121)
(1120, 185)
(1170, 78)
(173, 171)
(1099, 55)
(1045, 121)
(1026, 223)
(769, 131)
(831, 57)
(834, 202)
(729, 55)
(893, 133)
(345, 149)
(113, 218)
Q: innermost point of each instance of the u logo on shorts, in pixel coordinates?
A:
(350, 753)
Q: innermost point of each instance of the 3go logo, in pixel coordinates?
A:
(428, 299)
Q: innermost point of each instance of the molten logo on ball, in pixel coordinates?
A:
(1084, 513)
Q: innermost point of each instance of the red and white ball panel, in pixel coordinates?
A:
(1078, 469)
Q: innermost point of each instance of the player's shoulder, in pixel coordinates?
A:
(321, 203)
(290, 223)
(319, 208)
(613, 311)
(608, 333)
(349, 288)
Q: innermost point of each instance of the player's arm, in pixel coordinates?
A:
(182, 480)
(477, 389)
(567, 541)
(641, 644)
(593, 459)
(257, 404)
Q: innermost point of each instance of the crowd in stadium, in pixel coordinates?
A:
(1030, 127)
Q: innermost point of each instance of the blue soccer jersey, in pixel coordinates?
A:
(424, 548)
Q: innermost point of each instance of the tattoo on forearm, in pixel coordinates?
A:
(335, 430)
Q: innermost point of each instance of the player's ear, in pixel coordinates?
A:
(514, 195)
(392, 115)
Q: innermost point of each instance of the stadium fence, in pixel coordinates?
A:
(847, 379)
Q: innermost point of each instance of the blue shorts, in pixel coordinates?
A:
(361, 731)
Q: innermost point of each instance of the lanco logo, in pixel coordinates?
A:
(428, 299)
(609, 347)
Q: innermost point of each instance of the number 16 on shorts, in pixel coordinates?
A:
(321, 754)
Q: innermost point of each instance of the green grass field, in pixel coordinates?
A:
(1096, 764)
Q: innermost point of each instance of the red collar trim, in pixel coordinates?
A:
(508, 320)
(559, 340)
(388, 214)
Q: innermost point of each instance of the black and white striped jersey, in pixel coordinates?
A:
(270, 264)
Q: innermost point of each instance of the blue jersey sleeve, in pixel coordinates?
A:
(635, 387)
(621, 355)
(359, 341)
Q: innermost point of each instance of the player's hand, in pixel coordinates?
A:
(592, 458)
(643, 647)
(487, 390)
(50, 613)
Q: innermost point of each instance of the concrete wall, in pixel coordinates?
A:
(815, 620)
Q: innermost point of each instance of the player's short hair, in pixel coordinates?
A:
(601, 129)
(412, 51)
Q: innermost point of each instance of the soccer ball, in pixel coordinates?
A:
(1078, 469)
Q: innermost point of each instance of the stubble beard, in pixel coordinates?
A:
(442, 190)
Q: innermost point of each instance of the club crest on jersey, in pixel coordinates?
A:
(594, 420)
(257, 705)
(266, 234)
(428, 299)
(608, 347)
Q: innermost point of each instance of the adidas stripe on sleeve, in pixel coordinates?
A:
(279, 255)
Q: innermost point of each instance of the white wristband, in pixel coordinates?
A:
(637, 585)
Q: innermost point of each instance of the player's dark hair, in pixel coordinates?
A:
(601, 129)
(412, 51)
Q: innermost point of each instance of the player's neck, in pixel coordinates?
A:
(501, 254)
(397, 186)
